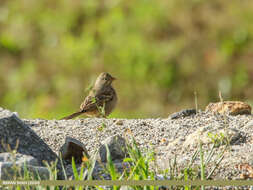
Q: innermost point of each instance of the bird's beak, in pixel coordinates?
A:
(113, 78)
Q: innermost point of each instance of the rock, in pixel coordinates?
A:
(18, 158)
(14, 165)
(14, 134)
(229, 107)
(183, 113)
(100, 173)
(117, 148)
(70, 174)
(208, 136)
(73, 148)
(8, 170)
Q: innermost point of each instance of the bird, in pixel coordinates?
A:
(100, 101)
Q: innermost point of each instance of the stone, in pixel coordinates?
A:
(8, 170)
(73, 148)
(18, 158)
(229, 107)
(117, 148)
(183, 113)
(206, 134)
(15, 135)
(14, 165)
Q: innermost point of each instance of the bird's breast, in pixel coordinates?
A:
(110, 105)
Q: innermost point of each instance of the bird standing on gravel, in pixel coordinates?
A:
(101, 100)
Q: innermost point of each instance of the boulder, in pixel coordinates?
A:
(73, 148)
(15, 165)
(117, 148)
(15, 135)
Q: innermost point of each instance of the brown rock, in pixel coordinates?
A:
(229, 107)
(73, 148)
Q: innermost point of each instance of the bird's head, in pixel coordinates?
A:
(104, 79)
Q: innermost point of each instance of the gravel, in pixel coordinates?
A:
(168, 137)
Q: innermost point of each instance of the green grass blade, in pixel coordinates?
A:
(110, 164)
(74, 169)
(202, 164)
(63, 168)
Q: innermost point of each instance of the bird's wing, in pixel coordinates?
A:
(93, 102)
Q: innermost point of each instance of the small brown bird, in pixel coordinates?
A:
(101, 100)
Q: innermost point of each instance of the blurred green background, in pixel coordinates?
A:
(160, 51)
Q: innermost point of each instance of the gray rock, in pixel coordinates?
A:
(73, 148)
(14, 165)
(18, 158)
(183, 113)
(14, 134)
(234, 136)
(117, 148)
(10, 171)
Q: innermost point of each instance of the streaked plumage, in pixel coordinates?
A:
(101, 96)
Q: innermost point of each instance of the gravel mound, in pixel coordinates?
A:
(168, 137)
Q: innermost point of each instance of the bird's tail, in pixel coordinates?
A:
(73, 115)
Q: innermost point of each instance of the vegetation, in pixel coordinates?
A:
(160, 51)
(139, 165)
